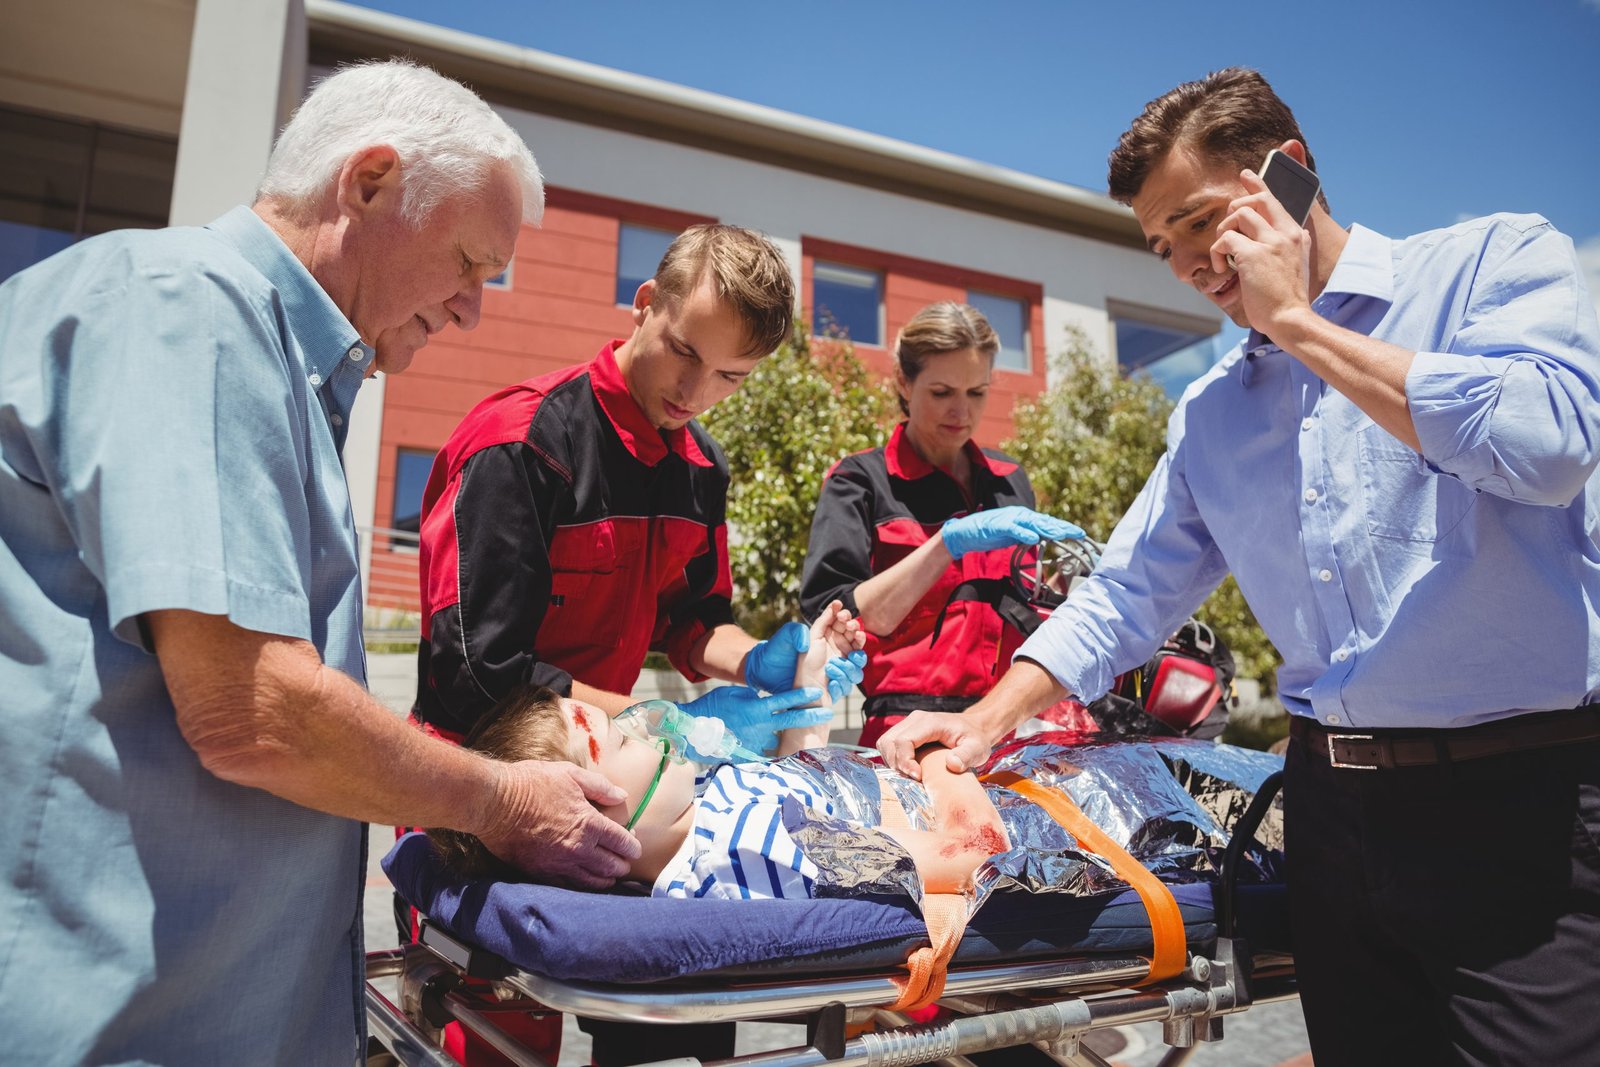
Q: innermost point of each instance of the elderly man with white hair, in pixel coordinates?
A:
(189, 753)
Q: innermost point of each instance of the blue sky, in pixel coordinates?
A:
(1420, 112)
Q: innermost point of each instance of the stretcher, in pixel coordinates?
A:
(1030, 970)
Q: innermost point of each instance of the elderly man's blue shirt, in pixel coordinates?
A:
(172, 405)
(1402, 590)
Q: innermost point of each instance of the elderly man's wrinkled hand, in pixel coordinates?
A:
(546, 821)
(968, 746)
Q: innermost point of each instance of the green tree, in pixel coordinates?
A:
(1088, 444)
(802, 409)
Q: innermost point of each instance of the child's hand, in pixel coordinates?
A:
(834, 659)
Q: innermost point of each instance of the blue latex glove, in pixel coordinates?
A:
(771, 664)
(1004, 527)
(844, 672)
(757, 719)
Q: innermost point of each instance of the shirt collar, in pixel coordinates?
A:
(904, 462)
(1365, 268)
(643, 440)
(324, 334)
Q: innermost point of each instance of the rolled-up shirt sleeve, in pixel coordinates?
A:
(1513, 406)
(173, 436)
(1158, 566)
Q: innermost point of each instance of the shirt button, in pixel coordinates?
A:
(356, 355)
(1325, 574)
(1342, 655)
(1311, 496)
(1333, 720)
(315, 379)
(337, 420)
(1305, 424)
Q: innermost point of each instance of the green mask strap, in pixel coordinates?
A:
(661, 767)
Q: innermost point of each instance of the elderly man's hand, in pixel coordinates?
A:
(545, 821)
(968, 745)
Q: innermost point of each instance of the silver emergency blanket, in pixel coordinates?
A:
(1168, 802)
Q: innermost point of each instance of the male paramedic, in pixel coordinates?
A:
(190, 753)
(574, 522)
(1398, 465)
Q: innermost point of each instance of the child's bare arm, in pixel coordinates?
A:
(833, 633)
(966, 827)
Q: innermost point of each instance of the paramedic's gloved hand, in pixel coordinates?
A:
(757, 719)
(543, 818)
(1004, 527)
(771, 664)
(844, 672)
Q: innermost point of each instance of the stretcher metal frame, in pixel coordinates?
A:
(1047, 1003)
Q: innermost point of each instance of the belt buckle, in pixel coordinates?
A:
(1335, 761)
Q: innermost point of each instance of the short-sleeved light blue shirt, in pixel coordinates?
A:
(172, 405)
(1440, 589)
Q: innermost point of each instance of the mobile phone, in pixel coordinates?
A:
(1294, 186)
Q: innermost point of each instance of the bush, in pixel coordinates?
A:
(804, 408)
(1088, 444)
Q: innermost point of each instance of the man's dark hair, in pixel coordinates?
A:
(1230, 116)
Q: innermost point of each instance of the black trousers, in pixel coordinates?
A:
(1448, 914)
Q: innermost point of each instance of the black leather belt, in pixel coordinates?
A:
(1387, 749)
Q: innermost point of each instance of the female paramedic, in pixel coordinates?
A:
(899, 527)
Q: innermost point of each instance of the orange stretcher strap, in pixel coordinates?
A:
(946, 916)
(1166, 921)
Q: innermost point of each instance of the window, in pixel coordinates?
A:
(61, 181)
(411, 469)
(847, 300)
(1009, 317)
(639, 252)
(1173, 349)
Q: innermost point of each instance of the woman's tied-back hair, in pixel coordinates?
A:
(939, 328)
(527, 724)
(747, 271)
(447, 138)
(1230, 116)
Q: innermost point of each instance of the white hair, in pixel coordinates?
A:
(447, 139)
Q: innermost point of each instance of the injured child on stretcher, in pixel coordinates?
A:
(835, 822)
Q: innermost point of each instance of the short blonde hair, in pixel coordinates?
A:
(939, 328)
(527, 724)
(748, 272)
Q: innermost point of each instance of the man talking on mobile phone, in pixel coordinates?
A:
(1398, 464)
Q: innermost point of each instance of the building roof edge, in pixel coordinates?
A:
(568, 88)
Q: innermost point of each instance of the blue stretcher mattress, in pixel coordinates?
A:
(613, 937)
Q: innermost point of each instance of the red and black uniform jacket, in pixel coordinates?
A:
(878, 506)
(563, 537)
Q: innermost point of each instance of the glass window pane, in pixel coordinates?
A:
(847, 300)
(1174, 358)
(42, 165)
(1009, 317)
(410, 479)
(132, 182)
(639, 252)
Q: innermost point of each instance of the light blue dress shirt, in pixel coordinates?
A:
(172, 404)
(1402, 590)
